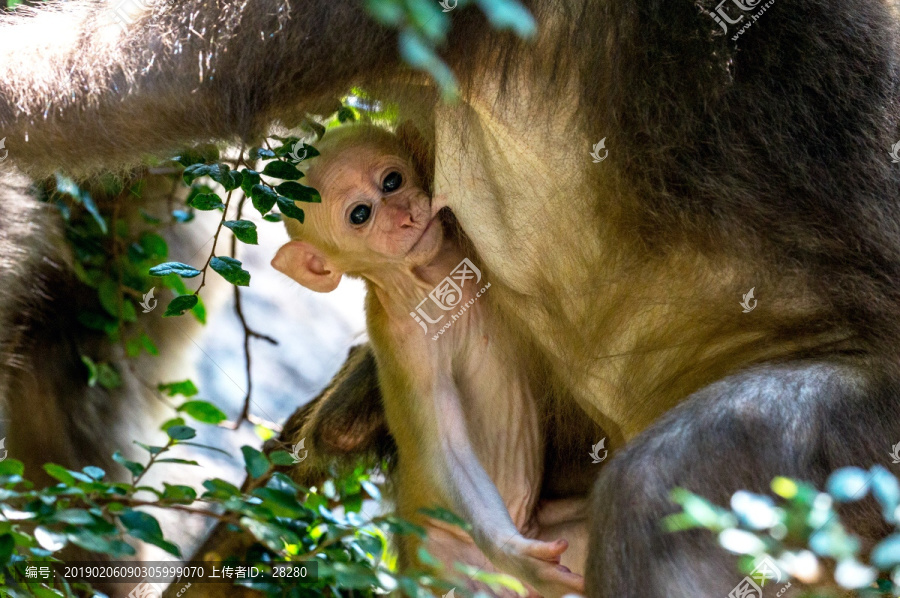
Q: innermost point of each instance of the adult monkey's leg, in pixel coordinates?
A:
(800, 420)
(79, 92)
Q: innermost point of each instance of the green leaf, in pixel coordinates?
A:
(94, 472)
(281, 458)
(96, 321)
(345, 114)
(280, 504)
(74, 516)
(182, 215)
(7, 546)
(272, 217)
(178, 268)
(199, 311)
(269, 534)
(108, 377)
(261, 153)
(699, 510)
(58, 472)
(220, 489)
(153, 450)
(195, 171)
(147, 344)
(181, 432)
(136, 520)
(848, 484)
(289, 209)
(230, 269)
(282, 170)
(420, 53)
(101, 373)
(226, 177)
(178, 493)
(244, 230)
(886, 490)
(371, 489)
(179, 305)
(386, 12)
(395, 525)
(509, 14)
(92, 370)
(85, 199)
(206, 202)
(298, 192)
(203, 411)
(175, 421)
(248, 179)
(154, 246)
(145, 527)
(184, 388)
(49, 539)
(11, 467)
(263, 198)
(99, 543)
(256, 463)
(887, 553)
(136, 469)
(108, 293)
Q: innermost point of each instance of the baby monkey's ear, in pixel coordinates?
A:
(307, 265)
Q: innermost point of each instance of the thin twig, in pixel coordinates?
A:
(212, 252)
(248, 332)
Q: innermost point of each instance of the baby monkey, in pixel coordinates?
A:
(461, 406)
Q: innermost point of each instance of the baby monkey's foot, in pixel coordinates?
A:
(537, 563)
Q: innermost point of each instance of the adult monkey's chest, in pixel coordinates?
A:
(622, 331)
(518, 183)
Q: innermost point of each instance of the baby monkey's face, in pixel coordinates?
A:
(374, 209)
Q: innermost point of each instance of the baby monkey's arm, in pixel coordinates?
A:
(432, 429)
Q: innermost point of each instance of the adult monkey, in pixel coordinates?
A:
(763, 165)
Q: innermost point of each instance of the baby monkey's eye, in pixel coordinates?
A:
(360, 214)
(392, 181)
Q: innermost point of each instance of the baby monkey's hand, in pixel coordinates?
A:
(537, 564)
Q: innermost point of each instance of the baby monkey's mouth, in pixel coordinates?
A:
(435, 220)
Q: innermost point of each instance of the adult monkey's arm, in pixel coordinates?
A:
(78, 91)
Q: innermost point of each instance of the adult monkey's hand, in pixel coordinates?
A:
(80, 89)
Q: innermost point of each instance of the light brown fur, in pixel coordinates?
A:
(459, 405)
